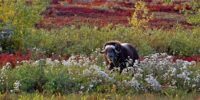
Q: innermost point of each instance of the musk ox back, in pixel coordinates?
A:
(118, 54)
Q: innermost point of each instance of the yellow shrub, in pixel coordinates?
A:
(140, 16)
(20, 15)
(7, 11)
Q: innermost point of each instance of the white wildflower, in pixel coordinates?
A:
(56, 61)
(193, 63)
(184, 75)
(17, 85)
(105, 75)
(36, 63)
(197, 78)
(155, 56)
(138, 75)
(82, 87)
(91, 85)
(6, 67)
(95, 67)
(134, 83)
(153, 82)
(25, 61)
(173, 82)
(194, 85)
(80, 92)
(49, 61)
(87, 72)
(124, 71)
(173, 71)
(136, 63)
(165, 76)
(66, 63)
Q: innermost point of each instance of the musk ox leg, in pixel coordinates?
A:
(121, 69)
(122, 66)
(111, 66)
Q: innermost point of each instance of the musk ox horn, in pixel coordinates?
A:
(103, 51)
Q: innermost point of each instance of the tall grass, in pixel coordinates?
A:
(94, 96)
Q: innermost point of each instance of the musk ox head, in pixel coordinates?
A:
(111, 50)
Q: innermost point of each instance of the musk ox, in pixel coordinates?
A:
(118, 54)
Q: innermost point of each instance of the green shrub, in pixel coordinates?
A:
(184, 43)
(59, 81)
(84, 40)
(7, 41)
(31, 77)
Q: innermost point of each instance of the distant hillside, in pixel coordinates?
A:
(104, 12)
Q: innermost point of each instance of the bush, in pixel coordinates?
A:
(140, 16)
(84, 40)
(7, 43)
(184, 43)
(59, 81)
(20, 18)
(30, 78)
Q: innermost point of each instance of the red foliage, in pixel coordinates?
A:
(192, 58)
(81, 12)
(14, 58)
(55, 1)
(168, 8)
(161, 8)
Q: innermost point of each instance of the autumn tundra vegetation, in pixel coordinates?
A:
(52, 49)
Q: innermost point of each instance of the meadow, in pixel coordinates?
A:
(64, 62)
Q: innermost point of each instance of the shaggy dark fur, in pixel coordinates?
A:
(117, 54)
